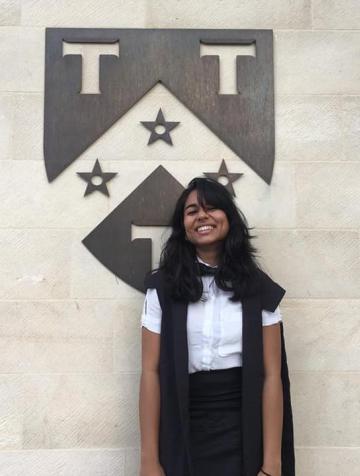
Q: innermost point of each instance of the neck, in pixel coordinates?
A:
(211, 257)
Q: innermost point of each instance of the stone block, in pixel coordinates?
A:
(56, 336)
(312, 263)
(6, 125)
(127, 335)
(331, 461)
(22, 52)
(10, 12)
(328, 195)
(317, 62)
(28, 127)
(36, 264)
(308, 127)
(325, 405)
(229, 14)
(336, 14)
(84, 14)
(63, 462)
(322, 335)
(80, 410)
(21, 126)
(267, 206)
(350, 115)
(11, 418)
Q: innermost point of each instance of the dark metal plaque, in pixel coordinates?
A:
(223, 172)
(160, 121)
(150, 204)
(74, 120)
(97, 172)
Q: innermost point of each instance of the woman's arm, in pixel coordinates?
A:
(272, 400)
(149, 401)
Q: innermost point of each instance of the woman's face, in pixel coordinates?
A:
(204, 227)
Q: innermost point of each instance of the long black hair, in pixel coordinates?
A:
(238, 262)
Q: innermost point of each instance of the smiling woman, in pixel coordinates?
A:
(207, 223)
(205, 226)
(214, 394)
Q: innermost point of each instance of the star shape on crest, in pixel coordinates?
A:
(97, 172)
(223, 172)
(165, 126)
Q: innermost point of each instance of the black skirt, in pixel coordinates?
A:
(215, 422)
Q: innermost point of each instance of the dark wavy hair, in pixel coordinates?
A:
(238, 264)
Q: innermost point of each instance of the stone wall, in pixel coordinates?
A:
(70, 330)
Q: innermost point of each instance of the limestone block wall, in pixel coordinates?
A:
(70, 330)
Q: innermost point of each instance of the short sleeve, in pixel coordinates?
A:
(269, 317)
(151, 313)
(272, 293)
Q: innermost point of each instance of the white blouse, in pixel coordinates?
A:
(214, 326)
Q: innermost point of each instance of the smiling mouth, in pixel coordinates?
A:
(204, 228)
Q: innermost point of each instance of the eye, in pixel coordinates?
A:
(191, 211)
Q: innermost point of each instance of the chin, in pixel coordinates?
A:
(205, 241)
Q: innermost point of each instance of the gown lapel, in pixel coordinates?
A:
(181, 361)
(252, 383)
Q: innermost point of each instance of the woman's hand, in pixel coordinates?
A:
(272, 470)
(152, 469)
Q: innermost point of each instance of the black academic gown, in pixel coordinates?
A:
(174, 453)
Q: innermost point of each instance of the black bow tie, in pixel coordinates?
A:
(206, 270)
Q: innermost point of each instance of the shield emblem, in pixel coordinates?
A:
(74, 119)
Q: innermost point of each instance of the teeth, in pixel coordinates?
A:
(205, 227)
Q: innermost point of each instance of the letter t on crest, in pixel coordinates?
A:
(90, 53)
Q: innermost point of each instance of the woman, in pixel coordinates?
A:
(212, 313)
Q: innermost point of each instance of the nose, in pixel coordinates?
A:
(202, 213)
